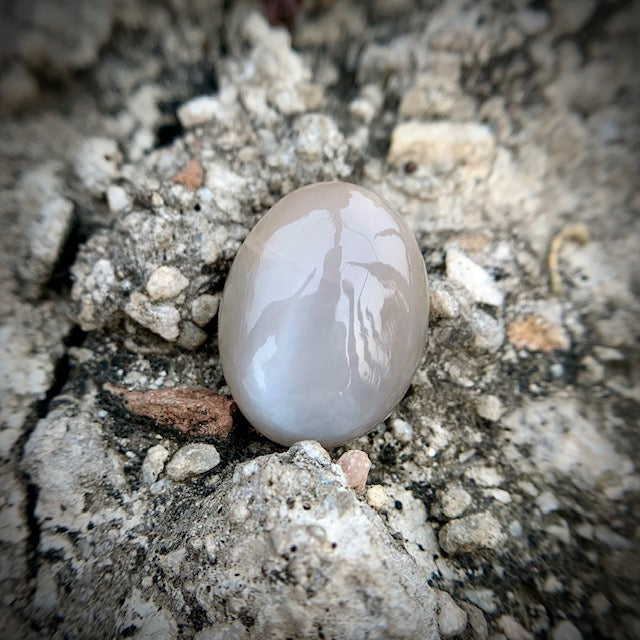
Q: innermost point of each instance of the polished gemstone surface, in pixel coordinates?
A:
(324, 315)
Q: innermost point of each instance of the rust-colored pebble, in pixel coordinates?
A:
(194, 412)
(191, 176)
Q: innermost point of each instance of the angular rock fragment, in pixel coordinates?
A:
(195, 412)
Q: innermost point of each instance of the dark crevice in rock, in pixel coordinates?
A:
(170, 128)
(60, 281)
(40, 410)
(539, 5)
(61, 374)
(225, 43)
(33, 526)
(200, 80)
(41, 407)
(382, 126)
(507, 74)
(597, 23)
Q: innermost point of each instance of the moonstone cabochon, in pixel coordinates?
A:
(324, 315)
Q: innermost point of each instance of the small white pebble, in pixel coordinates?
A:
(117, 199)
(500, 495)
(402, 430)
(528, 487)
(565, 630)
(198, 110)
(557, 370)
(608, 354)
(465, 456)
(376, 496)
(239, 513)
(547, 502)
(553, 585)
(191, 460)
(204, 308)
(512, 629)
(485, 599)
(452, 620)
(166, 283)
(455, 502)
(560, 530)
(611, 538)
(156, 199)
(356, 465)
(484, 476)
(162, 319)
(473, 278)
(158, 487)
(490, 408)
(362, 109)
(584, 530)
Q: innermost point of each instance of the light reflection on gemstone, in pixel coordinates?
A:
(324, 315)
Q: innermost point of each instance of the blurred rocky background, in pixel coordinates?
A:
(139, 143)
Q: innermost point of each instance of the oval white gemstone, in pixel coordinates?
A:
(324, 315)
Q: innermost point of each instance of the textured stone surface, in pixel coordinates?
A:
(324, 544)
(320, 340)
(442, 145)
(470, 533)
(94, 537)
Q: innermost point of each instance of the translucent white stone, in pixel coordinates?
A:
(324, 315)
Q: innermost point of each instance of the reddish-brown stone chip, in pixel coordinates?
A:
(191, 176)
(537, 334)
(195, 412)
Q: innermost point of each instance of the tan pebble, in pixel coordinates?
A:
(452, 620)
(442, 144)
(512, 629)
(162, 319)
(489, 407)
(191, 336)
(192, 460)
(537, 334)
(565, 630)
(356, 465)
(204, 308)
(455, 501)
(165, 283)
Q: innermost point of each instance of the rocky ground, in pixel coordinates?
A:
(141, 141)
